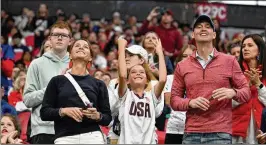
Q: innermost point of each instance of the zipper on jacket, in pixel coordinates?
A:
(205, 67)
(204, 73)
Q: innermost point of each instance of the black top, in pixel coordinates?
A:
(60, 93)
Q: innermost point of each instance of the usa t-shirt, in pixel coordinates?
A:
(137, 116)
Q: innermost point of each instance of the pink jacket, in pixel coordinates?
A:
(222, 71)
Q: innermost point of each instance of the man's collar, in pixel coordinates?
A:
(215, 53)
(211, 55)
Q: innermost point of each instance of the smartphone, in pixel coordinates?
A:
(90, 105)
(155, 61)
(161, 10)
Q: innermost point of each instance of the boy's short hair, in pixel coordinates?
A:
(62, 25)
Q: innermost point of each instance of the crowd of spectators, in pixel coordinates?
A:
(24, 37)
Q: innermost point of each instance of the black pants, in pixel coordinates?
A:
(173, 138)
(263, 120)
(160, 121)
(42, 139)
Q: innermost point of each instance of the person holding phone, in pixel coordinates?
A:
(153, 59)
(172, 40)
(153, 62)
(75, 122)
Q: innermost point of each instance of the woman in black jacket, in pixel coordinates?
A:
(76, 122)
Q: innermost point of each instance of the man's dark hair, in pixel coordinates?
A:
(20, 62)
(17, 35)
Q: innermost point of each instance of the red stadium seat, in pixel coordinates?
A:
(23, 118)
(18, 55)
(30, 41)
(161, 136)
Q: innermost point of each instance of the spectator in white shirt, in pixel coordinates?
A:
(176, 122)
(99, 61)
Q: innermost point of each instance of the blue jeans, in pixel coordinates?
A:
(263, 120)
(207, 138)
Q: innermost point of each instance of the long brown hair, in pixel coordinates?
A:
(43, 47)
(184, 48)
(262, 52)
(15, 122)
(17, 86)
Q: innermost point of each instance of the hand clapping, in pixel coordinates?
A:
(254, 76)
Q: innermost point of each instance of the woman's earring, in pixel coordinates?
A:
(258, 57)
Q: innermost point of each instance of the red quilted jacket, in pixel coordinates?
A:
(242, 114)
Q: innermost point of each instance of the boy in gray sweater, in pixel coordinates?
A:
(40, 71)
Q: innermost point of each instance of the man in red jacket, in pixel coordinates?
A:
(170, 37)
(211, 80)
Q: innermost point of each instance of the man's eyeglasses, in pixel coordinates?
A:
(62, 35)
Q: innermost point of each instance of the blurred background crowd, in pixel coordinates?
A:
(24, 38)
